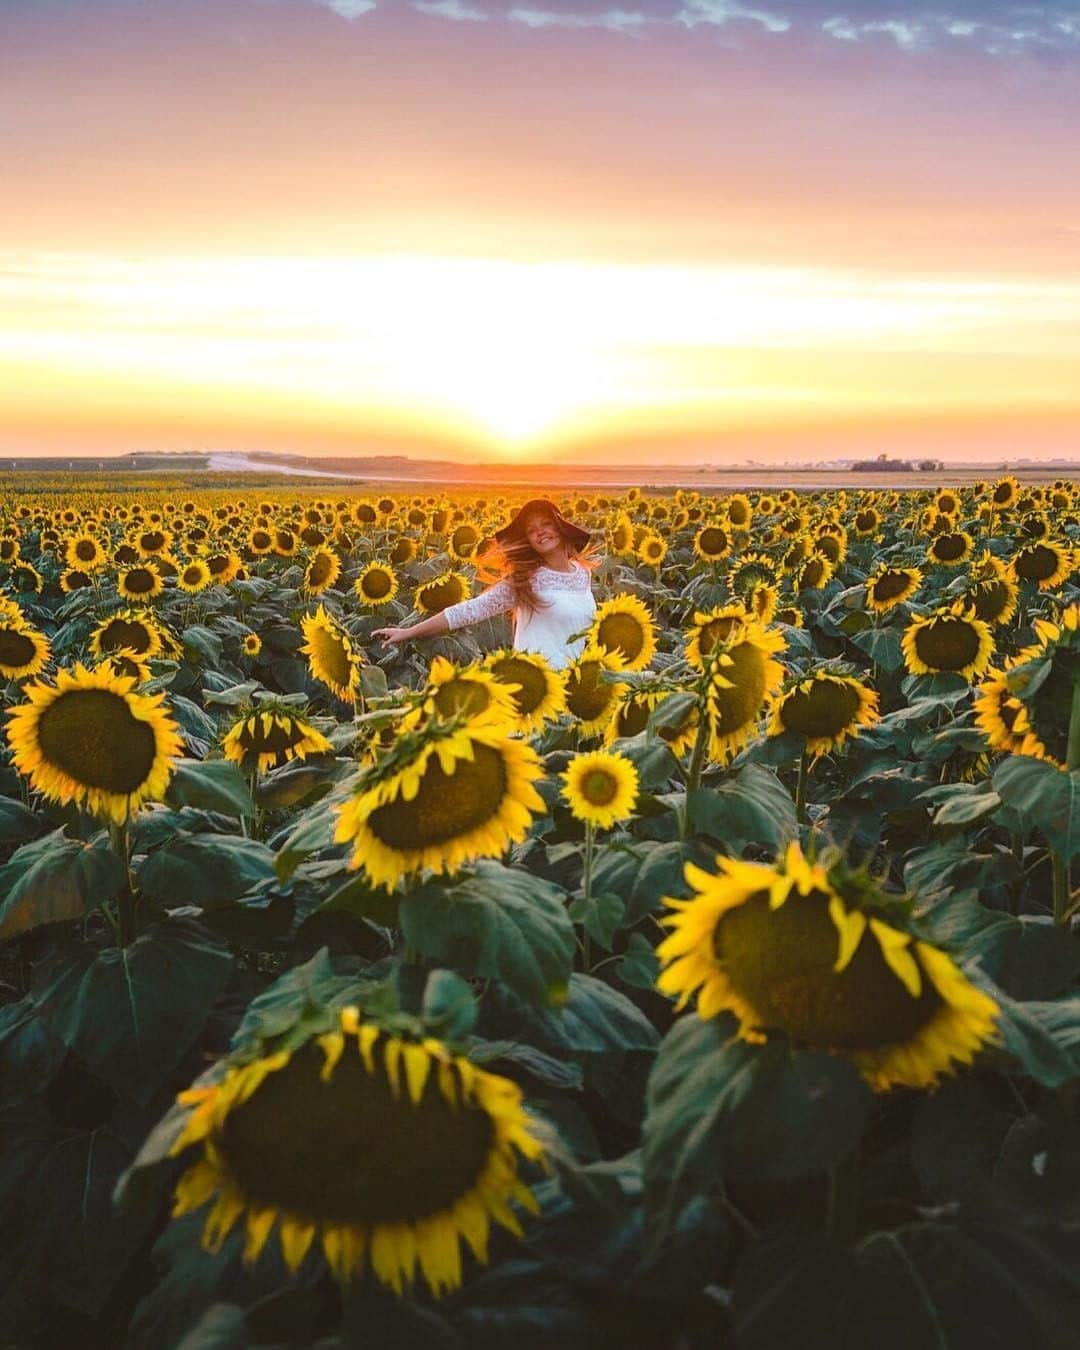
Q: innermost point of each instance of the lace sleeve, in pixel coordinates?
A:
(496, 599)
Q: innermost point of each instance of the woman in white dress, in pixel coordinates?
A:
(545, 585)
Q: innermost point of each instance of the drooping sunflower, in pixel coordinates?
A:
(471, 691)
(376, 585)
(140, 583)
(739, 511)
(1046, 563)
(815, 574)
(950, 548)
(1005, 492)
(826, 709)
(867, 522)
(709, 628)
(446, 590)
(23, 650)
(798, 950)
(993, 600)
(623, 627)
(746, 677)
(25, 579)
(632, 714)
(387, 1151)
(891, 586)
(1042, 679)
(712, 543)
(90, 740)
(126, 663)
(538, 691)
(194, 576)
(403, 550)
(332, 659)
(997, 709)
(444, 795)
(601, 788)
(748, 571)
(322, 570)
(272, 735)
(9, 550)
(589, 697)
(127, 629)
(950, 641)
(462, 542)
(622, 534)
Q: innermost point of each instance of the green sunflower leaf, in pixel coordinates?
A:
(65, 880)
(211, 785)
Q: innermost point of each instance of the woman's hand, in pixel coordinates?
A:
(392, 636)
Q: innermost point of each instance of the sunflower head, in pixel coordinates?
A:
(744, 679)
(601, 788)
(589, 697)
(709, 628)
(23, 650)
(376, 585)
(128, 629)
(950, 548)
(271, 735)
(386, 1150)
(825, 709)
(469, 692)
(652, 548)
(623, 627)
(1004, 493)
(1045, 563)
(445, 794)
(891, 586)
(89, 739)
(332, 659)
(1041, 679)
(748, 571)
(251, 645)
(622, 534)
(435, 596)
(951, 641)
(194, 576)
(322, 570)
(712, 543)
(538, 691)
(820, 956)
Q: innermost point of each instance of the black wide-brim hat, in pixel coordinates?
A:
(574, 534)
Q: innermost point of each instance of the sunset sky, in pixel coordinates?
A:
(654, 231)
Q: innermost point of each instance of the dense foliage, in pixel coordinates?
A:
(721, 990)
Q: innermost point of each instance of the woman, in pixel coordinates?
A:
(544, 584)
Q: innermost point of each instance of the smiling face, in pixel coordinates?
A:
(543, 534)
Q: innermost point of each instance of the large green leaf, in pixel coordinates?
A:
(204, 869)
(499, 924)
(17, 824)
(212, 785)
(65, 880)
(1044, 797)
(748, 806)
(794, 1289)
(133, 1012)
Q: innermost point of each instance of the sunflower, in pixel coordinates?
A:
(623, 627)
(826, 709)
(382, 1149)
(286, 543)
(589, 697)
(867, 522)
(951, 641)
(462, 542)
(9, 550)
(709, 628)
(260, 540)
(25, 579)
(152, 542)
(1006, 491)
(23, 650)
(997, 709)
(271, 736)
(994, 600)
(224, 567)
(739, 511)
(601, 788)
(127, 629)
(471, 691)
(446, 590)
(194, 576)
(91, 741)
(745, 679)
(951, 548)
(947, 502)
(622, 534)
(140, 583)
(75, 579)
(651, 548)
(762, 603)
(891, 586)
(322, 570)
(444, 795)
(798, 950)
(84, 551)
(538, 692)
(752, 569)
(831, 545)
(815, 574)
(332, 659)
(712, 543)
(1042, 679)
(126, 663)
(251, 644)
(376, 585)
(1046, 563)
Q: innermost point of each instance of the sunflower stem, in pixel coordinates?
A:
(800, 787)
(697, 764)
(125, 901)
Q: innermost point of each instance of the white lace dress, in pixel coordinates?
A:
(566, 607)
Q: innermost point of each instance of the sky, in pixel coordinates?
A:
(679, 231)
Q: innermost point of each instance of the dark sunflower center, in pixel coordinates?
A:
(439, 594)
(781, 963)
(218, 564)
(632, 718)
(140, 581)
(193, 575)
(990, 600)
(713, 540)
(16, 649)
(122, 633)
(93, 736)
(829, 547)
(152, 541)
(827, 708)
(277, 740)
(1036, 563)
(462, 696)
(811, 575)
(891, 586)
(621, 634)
(865, 521)
(350, 1151)
(533, 688)
(86, 550)
(76, 580)
(948, 644)
(260, 539)
(599, 787)
(320, 568)
(1003, 494)
(949, 547)
(447, 806)
(733, 708)
(376, 585)
(587, 696)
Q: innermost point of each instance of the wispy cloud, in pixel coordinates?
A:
(349, 9)
(615, 20)
(451, 9)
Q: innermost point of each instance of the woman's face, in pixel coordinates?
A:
(542, 533)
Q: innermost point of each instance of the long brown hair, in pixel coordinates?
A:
(516, 561)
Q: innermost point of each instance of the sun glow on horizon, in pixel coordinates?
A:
(514, 357)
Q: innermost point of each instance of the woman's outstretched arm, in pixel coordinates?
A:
(425, 628)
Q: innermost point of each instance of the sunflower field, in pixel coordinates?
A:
(721, 990)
